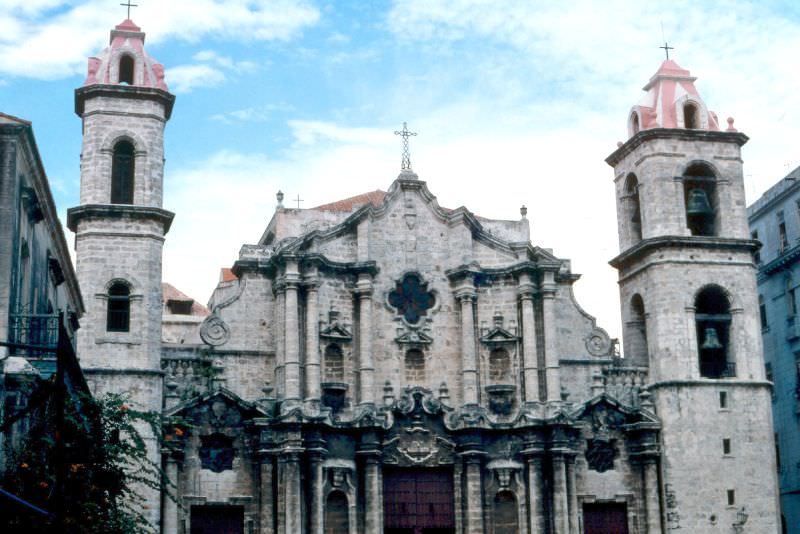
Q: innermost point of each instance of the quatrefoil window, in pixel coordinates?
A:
(411, 298)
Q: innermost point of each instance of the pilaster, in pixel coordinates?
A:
(312, 360)
(466, 296)
(366, 367)
(552, 372)
(530, 373)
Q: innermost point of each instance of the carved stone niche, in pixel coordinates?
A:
(334, 395)
(506, 477)
(339, 478)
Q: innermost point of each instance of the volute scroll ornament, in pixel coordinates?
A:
(214, 331)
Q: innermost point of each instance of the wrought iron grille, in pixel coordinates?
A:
(717, 369)
(34, 333)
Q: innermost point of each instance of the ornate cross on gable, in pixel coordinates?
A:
(405, 134)
(411, 298)
(129, 6)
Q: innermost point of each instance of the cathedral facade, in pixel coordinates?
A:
(385, 364)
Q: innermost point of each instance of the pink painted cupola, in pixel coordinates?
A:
(672, 101)
(125, 61)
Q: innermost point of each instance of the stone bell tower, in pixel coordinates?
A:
(120, 224)
(690, 308)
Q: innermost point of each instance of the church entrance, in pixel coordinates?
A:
(605, 518)
(217, 520)
(418, 501)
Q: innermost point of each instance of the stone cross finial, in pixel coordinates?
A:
(129, 6)
(405, 134)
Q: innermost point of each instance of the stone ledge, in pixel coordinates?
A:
(75, 215)
(124, 91)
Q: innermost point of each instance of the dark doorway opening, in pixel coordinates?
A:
(605, 518)
(217, 520)
(418, 501)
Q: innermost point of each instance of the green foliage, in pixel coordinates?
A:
(88, 466)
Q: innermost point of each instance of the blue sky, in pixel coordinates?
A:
(515, 102)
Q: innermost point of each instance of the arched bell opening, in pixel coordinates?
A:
(701, 201)
(126, 69)
(122, 173)
(713, 322)
(632, 207)
(690, 116)
(636, 344)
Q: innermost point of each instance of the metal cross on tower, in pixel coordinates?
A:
(405, 134)
(129, 6)
(298, 200)
(667, 48)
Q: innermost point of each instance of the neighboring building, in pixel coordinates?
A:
(384, 364)
(775, 221)
(37, 281)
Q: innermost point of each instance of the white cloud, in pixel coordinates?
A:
(252, 114)
(49, 47)
(184, 78)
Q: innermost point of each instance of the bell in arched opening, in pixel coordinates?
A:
(698, 205)
(711, 341)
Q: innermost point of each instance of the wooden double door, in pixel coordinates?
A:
(217, 520)
(605, 518)
(418, 501)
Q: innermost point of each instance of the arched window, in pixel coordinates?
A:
(632, 206)
(118, 318)
(336, 519)
(415, 366)
(126, 64)
(505, 513)
(635, 123)
(122, 169)
(713, 320)
(700, 197)
(690, 116)
(499, 366)
(637, 333)
(334, 363)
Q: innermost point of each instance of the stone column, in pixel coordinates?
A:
(373, 482)
(560, 501)
(572, 495)
(313, 374)
(474, 494)
(169, 510)
(317, 482)
(366, 366)
(280, 347)
(550, 354)
(530, 357)
(290, 482)
(535, 495)
(466, 295)
(652, 496)
(292, 334)
(266, 510)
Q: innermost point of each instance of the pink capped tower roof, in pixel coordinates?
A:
(127, 39)
(672, 101)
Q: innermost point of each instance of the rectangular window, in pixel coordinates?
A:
(777, 453)
(731, 497)
(791, 302)
(723, 400)
(762, 310)
(726, 446)
(757, 253)
(783, 242)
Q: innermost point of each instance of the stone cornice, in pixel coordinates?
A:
(118, 211)
(646, 246)
(124, 91)
(787, 259)
(674, 133)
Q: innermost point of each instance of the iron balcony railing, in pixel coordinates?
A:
(33, 334)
